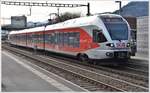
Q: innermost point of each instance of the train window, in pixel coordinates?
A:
(65, 38)
(52, 38)
(49, 38)
(98, 36)
(46, 38)
(37, 38)
(114, 19)
(73, 39)
(38, 41)
(61, 38)
(55, 38)
(76, 39)
(58, 38)
(30, 38)
(21, 37)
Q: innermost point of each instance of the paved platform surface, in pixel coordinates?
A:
(141, 57)
(144, 59)
(18, 76)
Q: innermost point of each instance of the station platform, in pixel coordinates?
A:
(144, 59)
(142, 56)
(19, 76)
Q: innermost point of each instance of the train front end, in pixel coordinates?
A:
(113, 37)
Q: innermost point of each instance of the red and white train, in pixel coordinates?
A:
(91, 37)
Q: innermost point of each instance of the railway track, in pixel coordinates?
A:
(137, 73)
(89, 79)
(143, 68)
(115, 73)
(131, 68)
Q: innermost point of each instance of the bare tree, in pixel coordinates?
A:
(67, 16)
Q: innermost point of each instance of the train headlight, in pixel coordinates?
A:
(128, 44)
(110, 45)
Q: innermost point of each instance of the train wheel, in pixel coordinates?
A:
(83, 58)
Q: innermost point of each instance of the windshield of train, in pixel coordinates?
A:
(117, 28)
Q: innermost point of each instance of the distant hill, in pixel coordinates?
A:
(135, 9)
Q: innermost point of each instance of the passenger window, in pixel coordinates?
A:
(98, 36)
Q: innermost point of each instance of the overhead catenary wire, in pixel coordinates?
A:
(47, 5)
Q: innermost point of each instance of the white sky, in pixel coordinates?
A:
(41, 13)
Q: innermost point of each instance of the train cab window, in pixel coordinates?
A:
(98, 36)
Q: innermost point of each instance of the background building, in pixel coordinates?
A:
(19, 21)
(142, 36)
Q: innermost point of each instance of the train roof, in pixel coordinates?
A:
(77, 22)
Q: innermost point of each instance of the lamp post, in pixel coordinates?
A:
(119, 6)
